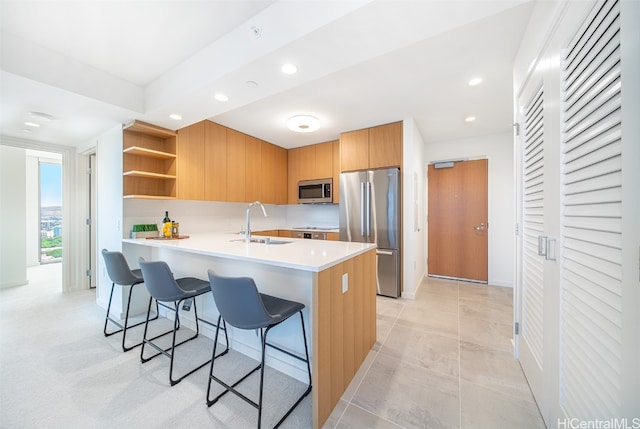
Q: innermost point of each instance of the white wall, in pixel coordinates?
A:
(414, 232)
(498, 149)
(13, 250)
(108, 219)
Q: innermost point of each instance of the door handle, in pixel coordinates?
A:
(362, 207)
(481, 227)
(542, 248)
(384, 252)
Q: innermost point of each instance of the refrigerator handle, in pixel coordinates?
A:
(368, 211)
(362, 206)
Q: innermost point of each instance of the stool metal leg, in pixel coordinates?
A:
(123, 328)
(264, 344)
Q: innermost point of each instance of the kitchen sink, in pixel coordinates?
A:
(266, 240)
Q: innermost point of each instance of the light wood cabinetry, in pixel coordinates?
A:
(284, 233)
(312, 162)
(236, 166)
(281, 161)
(375, 147)
(334, 236)
(215, 162)
(335, 148)
(253, 169)
(191, 162)
(149, 161)
(354, 150)
(385, 145)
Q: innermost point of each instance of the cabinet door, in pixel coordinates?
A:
(284, 233)
(267, 181)
(236, 166)
(385, 145)
(336, 171)
(215, 162)
(281, 175)
(323, 160)
(293, 168)
(190, 162)
(253, 172)
(307, 168)
(354, 150)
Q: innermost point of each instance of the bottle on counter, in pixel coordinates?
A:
(166, 225)
(175, 229)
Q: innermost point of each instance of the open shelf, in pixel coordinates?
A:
(147, 174)
(142, 151)
(149, 197)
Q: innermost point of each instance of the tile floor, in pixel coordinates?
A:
(443, 360)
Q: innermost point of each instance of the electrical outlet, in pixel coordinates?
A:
(345, 282)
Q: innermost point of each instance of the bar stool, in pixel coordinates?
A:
(120, 274)
(164, 288)
(242, 306)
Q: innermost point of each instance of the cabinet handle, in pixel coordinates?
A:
(542, 248)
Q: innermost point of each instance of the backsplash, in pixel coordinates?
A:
(209, 216)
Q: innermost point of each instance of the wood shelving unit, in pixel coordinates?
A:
(149, 161)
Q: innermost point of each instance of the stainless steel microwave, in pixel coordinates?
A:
(315, 191)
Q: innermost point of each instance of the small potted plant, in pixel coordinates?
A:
(144, 230)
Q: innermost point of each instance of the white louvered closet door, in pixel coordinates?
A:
(591, 221)
(532, 204)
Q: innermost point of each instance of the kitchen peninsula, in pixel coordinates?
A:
(335, 280)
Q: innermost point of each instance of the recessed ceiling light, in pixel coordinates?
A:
(251, 84)
(221, 97)
(289, 69)
(470, 119)
(475, 81)
(40, 115)
(32, 124)
(175, 117)
(303, 123)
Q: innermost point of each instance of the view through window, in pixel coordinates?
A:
(51, 233)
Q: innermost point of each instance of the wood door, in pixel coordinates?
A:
(323, 168)
(458, 221)
(191, 162)
(235, 166)
(267, 181)
(253, 172)
(354, 150)
(293, 174)
(282, 186)
(336, 172)
(215, 161)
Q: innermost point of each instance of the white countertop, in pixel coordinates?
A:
(299, 254)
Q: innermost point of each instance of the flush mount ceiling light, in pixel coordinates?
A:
(251, 84)
(221, 97)
(470, 119)
(475, 81)
(303, 123)
(175, 117)
(289, 69)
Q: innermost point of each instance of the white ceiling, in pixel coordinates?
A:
(93, 64)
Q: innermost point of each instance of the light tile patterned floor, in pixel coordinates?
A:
(443, 360)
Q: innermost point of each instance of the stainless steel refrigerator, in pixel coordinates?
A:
(370, 213)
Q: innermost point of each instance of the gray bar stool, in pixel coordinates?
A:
(120, 274)
(164, 288)
(243, 307)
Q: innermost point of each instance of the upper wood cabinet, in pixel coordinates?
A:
(191, 162)
(273, 180)
(385, 145)
(374, 147)
(236, 166)
(215, 162)
(335, 148)
(309, 163)
(253, 169)
(148, 161)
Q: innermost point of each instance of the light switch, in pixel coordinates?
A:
(345, 282)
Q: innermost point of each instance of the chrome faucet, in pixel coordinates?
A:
(247, 232)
